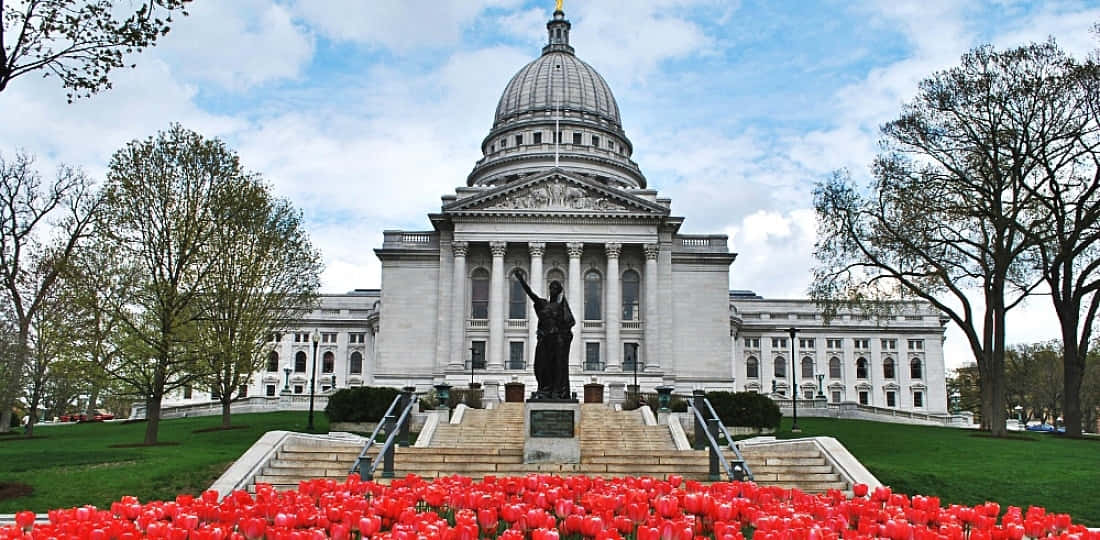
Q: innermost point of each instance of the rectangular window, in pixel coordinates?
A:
(779, 343)
(298, 389)
(916, 344)
(517, 301)
(538, 137)
(274, 337)
(301, 337)
(477, 354)
(918, 399)
(807, 394)
(242, 390)
(493, 147)
(357, 337)
(577, 139)
(891, 400)
(864, 398)
(836, 396)
(862, 343)
(515, 355)
(752, 343)
(557, 137)
(595, 141)
(328, 338)
(592, 357)
(187, 392)
(630, 357)
(325, 387)
(479, 300)
(503, 143)
(889, 344)
(270, 390)
(519, 140)
(805, 343)
(834, 344)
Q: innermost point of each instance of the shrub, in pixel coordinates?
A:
(747, 409)
(360, 404)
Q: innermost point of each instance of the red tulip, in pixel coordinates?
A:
(25, 520)
(859, 490)
(487, 518)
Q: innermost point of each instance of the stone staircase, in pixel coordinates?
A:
(613, 443)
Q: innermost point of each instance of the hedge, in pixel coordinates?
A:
(747, 409)
(360, 404)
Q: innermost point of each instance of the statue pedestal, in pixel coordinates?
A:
(551, 429)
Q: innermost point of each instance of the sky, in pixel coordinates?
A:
(365, 112)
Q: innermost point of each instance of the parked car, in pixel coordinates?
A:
(99, 417)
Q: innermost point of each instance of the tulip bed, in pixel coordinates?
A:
(542, 507)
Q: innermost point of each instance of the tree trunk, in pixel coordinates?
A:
(5, 419)
(92, 399)
(152, 416)
(226, 403)
(1074, 371)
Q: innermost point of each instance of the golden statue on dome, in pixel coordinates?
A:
(559, 5)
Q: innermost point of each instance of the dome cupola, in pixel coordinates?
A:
(557, 111)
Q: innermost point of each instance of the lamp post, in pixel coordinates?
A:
(794, 383)
(820, 386)
(315, 337)
(286, 385)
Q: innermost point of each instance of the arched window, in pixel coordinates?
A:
(517, 298)
(807, 368)
(356, 362)
(273, 361)
(752, 368)
(834, 368)
(328, 362)
(593, 295)
(631, 290)
(861, 368)
(780, 367)
(552, 276)
(914, 368)
(300, 362)
(479, 294)
(888, 368)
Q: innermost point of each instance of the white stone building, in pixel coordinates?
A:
(557, 195)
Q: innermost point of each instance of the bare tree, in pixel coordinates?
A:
(78, 41)
(41, 226)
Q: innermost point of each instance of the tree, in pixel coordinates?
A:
(78, 41)
(1033, 380)
(265, 275)
(947, 218)
(50, 344)
(165, 197)
(41, 226)
(964, 391)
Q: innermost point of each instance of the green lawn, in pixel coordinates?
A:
(74, 465)
(962, 466)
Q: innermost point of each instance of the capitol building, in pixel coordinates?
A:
(557, 196)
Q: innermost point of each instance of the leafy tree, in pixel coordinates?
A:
(50, 344)
(948, 218)
(963, 386)
(1033, 380)
(41, 227)
(265, 275)
(78, 41)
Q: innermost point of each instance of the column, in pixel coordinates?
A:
(458, 306)
(613, 310)
(535, 281)
(576, 302)
(652, 357)
(495, 361)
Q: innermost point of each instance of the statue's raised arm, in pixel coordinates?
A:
(523, 283)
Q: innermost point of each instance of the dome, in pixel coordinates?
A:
(557, 80)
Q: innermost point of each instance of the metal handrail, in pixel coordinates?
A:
(729, 441)
(370, 442)
(716, 451)
(388, 446)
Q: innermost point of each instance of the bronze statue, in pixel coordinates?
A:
(555, 333)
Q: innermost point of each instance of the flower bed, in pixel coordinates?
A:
(547, 508)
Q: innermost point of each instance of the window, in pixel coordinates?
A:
(479, 294)
(891, 399)
(576, 138)
(631, 289)
(301, 337)
(780, 367)
(807, 393)
(517, 298)
(835, 396)
(806, 343)
(752, 368)
(862, 343)
(557, 137)
(592, 356)
(538, 137)
(915, 369)
(273, 361)
(595, 141)
(357, 337)
(888, 368)
(779, 343)
(916, 344)
(477, 354)
(325, 387)
(861, 368)
(630, 357)
(807, 368)
(918, 399)
(242, 390)
(300, 362)
(834, 344)
(864, 397)
(274, 337)
(889, 344)
(593, 293)
(752, 343)
(515, 355)
(328, 337)
(355, 363)
(187, 391)
(298, 389)
(269, 391)
(493, 147)
(834, 368)
(504, 143)
(519, 140)
(328, 362)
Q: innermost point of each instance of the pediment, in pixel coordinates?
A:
(557, 192)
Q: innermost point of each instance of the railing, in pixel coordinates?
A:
(592, 366)
(477, 323)
(706, 429)
(592, 325)
(517, 323)
(406, 400)
(632, 325)
(515, 365)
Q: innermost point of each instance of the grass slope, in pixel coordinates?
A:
(966, 467)
(74, 465)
